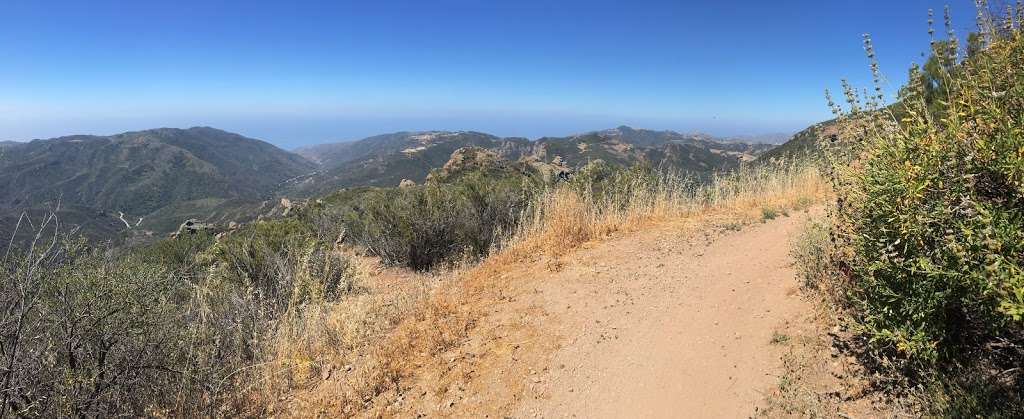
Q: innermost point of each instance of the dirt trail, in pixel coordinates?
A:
(663, 324)
(674, 320)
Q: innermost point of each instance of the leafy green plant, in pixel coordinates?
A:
(931, 206)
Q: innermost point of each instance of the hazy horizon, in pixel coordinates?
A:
(367, 129)
(316, 72)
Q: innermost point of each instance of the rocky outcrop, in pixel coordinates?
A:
(466, 159)
(192, 226)
(555, 170)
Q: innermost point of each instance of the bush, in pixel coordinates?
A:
(964, 393)
(179, 254)
(933, 210)
(612, 188)
(423, 226)
(170, 329)
(83, 336)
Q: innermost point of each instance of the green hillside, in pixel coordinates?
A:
(142, 174)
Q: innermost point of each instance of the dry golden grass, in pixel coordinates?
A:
(356, 357)
(566, 219)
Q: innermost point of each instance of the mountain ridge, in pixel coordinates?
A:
(148, 181)
(384, 160)
(143, 172)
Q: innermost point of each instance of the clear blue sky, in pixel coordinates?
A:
(300, 72)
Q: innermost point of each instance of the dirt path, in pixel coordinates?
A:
(674, 320)
(660, 324)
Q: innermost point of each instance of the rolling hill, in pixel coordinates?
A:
(145, 183)
(802, 144)
(696, 154)
(385, 160)
(155, 178)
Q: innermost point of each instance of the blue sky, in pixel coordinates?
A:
(302, 72)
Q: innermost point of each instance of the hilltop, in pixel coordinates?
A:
(695, 154)
(155, 178)
(802, 144)
(385, 160)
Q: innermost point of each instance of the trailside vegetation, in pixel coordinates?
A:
(929, 218)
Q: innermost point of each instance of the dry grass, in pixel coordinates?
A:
(566, 219)
(357, 357)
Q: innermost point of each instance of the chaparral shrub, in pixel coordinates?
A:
(931, 206)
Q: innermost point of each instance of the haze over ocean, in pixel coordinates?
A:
(318, 71)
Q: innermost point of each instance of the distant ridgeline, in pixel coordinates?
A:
(142, 183)
(137, 185)
(386, 160)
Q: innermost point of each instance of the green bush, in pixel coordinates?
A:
(180, 253)
(284, 262)
(424, 226)
(611, 187)
(170, 329)
(934, 210)
(961, 392)
(85, 336)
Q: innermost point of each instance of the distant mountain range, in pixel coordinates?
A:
(144, 183)
(694, 153)
(385, 160)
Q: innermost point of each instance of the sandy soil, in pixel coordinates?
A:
(675, 320)
(664, 325)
